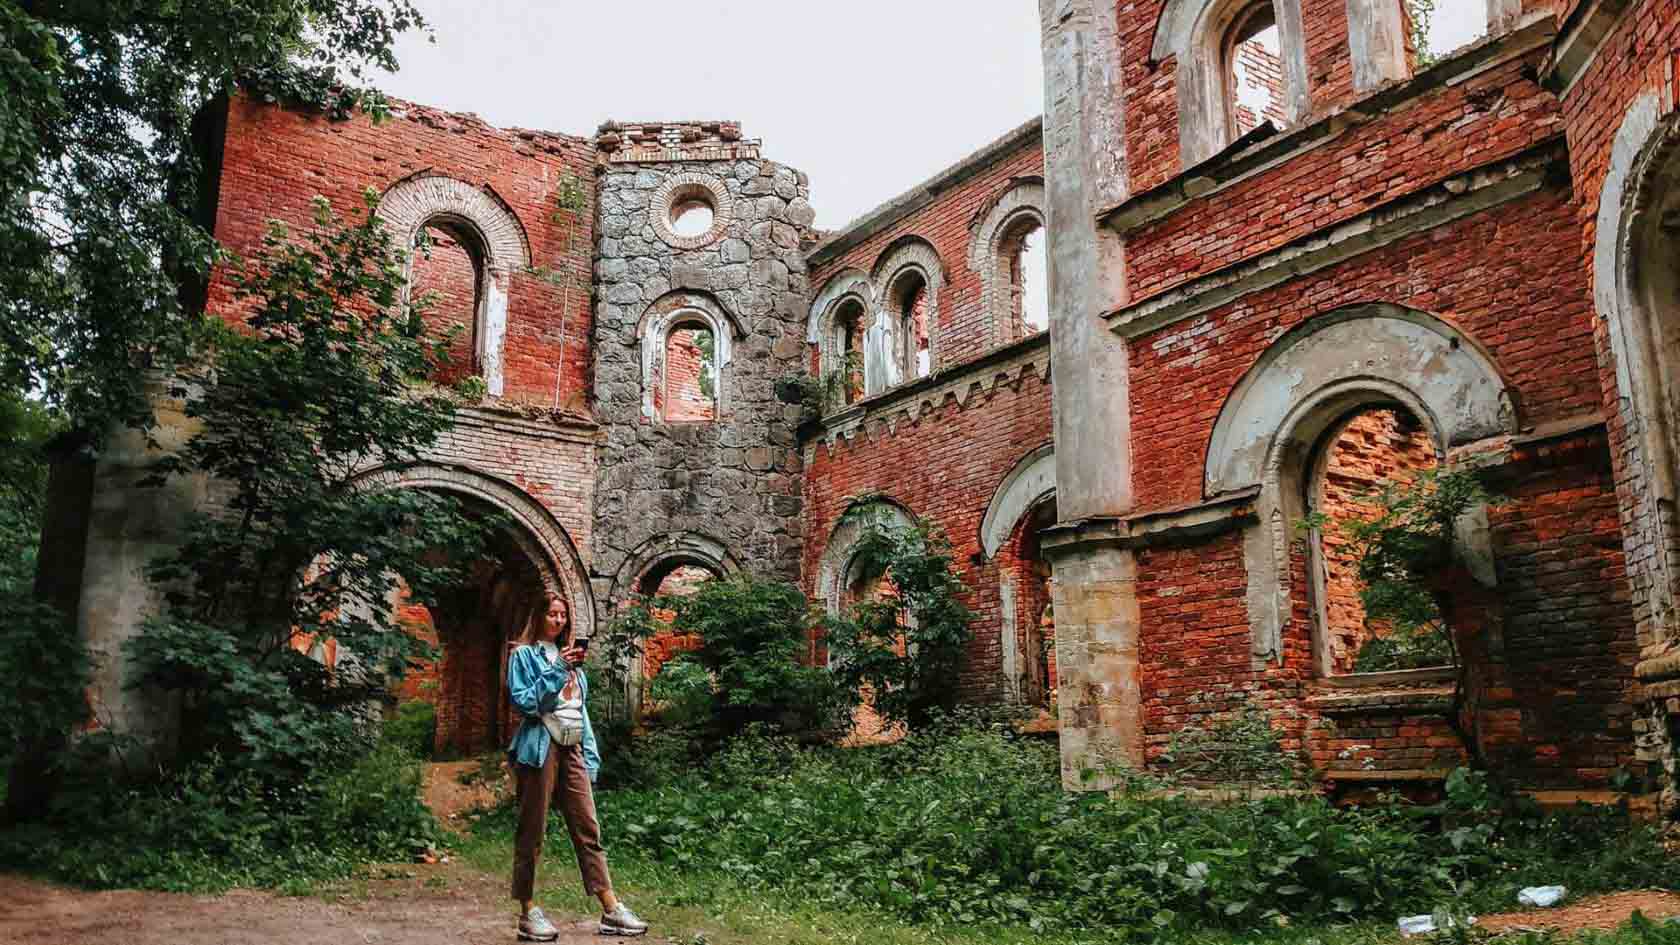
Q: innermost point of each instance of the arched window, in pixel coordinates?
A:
(848, 345)
(1356, 457)
(1010, 251)
(911, 311)
(688, 392)
(447, 274)
(686, 346)
(1024, 248)
(1239, 63)
(1253, 71)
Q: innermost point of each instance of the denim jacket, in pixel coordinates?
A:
(534, 686)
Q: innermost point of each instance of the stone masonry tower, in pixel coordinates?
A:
(700, 293)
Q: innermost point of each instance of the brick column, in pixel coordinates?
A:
(1099, 701)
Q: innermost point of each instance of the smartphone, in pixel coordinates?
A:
(581, 643)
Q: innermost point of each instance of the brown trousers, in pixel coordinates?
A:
(563, 777)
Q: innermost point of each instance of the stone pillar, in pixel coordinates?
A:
(130, 526)
(1094, 590)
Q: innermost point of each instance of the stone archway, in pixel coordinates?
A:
(1314, 376)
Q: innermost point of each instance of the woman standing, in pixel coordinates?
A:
(554, 756)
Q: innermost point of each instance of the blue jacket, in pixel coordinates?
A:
(534, 686)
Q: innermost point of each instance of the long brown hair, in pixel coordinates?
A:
(533, 626)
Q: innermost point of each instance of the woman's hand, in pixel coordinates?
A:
(572, 656)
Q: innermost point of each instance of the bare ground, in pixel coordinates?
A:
(444, 904)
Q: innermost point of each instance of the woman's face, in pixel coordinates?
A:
(555, 621)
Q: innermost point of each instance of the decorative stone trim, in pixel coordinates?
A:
(1581, 36)
(1032, 481)
(911, 254)
(1430, 700)
(1153, 528)
(821, 328)
(542, 538)
(1452, 199)
(908, 402)
(690, 186)
(1023, 201)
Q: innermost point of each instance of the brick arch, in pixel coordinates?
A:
(1030, 482)
(1303, 384)
(538, 534)
(674, 549)
(494, 236)
(1636, 284)
(426, 197)
(1023, 201)
(836, 560)
(907, 255)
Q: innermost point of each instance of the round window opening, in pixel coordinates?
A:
(692, 218)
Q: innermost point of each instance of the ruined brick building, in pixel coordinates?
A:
(1286, 260)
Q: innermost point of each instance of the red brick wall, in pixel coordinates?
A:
(1493, 115)
(680, 398)
(1260, 70)
(448, 277)
(964, 328)
(944, 467)
(277, 160)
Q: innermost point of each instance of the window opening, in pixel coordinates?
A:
(1358, 455)
(448, 277)
(692, 218)
(689, 391)
(1254, 71)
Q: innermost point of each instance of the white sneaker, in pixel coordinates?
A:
(621, 921)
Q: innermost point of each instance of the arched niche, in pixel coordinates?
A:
(1309, 380)
(490, 233)
(1636, 276)
(835, 566)
(674, 311)
(890, 349)
(662, 553)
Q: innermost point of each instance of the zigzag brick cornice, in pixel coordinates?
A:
(883, 414)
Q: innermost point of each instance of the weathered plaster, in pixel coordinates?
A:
(1031, 481)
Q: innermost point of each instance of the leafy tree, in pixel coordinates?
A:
(99, 179)
(1410, 568)
(323, 380)
(906, 647)
(752, 634)
(1422, 13)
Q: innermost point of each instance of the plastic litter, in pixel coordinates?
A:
(1425, 924)
(1539, 897)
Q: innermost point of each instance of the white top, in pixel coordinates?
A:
(570, 709)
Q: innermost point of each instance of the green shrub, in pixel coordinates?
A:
(906, 648)
(210, 826)
(968, 824)
(683, 691)
(413, 728)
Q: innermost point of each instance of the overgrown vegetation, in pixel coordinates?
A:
(1422, 13)
(1410, 567)
(819, 396)
(964, 824)
(326, 381)
(101, 217)
(906, 646)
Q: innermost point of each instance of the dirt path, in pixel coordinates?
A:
(420, 905)
(1599, 913)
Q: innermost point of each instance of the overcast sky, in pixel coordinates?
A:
(869, 97)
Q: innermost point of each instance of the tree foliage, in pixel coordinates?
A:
(753, 633)
(324, 380)
(99, 175)
(906, 647)
(1422, 13)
